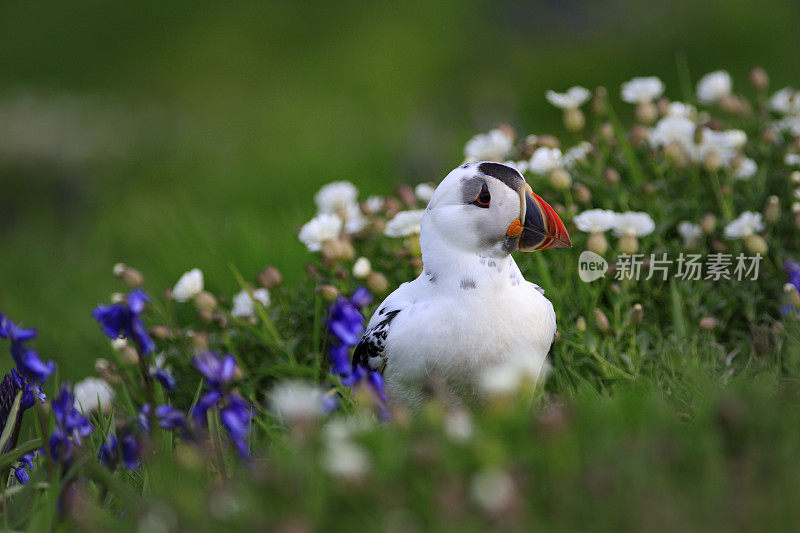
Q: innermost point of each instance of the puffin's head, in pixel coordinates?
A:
(488, 208)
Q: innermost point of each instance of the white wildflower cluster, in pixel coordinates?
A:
(495, 145)
(297, 402)
(337, 212)
(244, 305)
(93, 395)
(629, 226)
(342, 457)
(405, 223)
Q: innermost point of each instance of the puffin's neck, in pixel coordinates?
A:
(449, 267)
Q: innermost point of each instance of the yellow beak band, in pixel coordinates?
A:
(514, 229)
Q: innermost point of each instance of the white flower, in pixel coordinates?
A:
(544, 160)
(361, 268)
(577, 153)
(92, 394)
(321, 228)
(492, 146)
(572, 99)
(748, 223)
(519, 166)
(336, 197)
(792, 159)
(679, 109)
(188, 286)
(674, 129)
(493, 490)
(458, 425)
(725, 144)
(508, 377)
(645, 89)
(632, 223)
(595, 220)
(785, 101)
(424, 192)
(790, 123)
(690, 232)
(374, 204)
(296, 401)
(404, 223)
(346, 460)
(340, 198)
(747, 169)
(244, 305)
(714, 86)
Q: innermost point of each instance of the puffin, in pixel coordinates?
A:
(470, 309)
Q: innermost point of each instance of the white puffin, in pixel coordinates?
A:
(470, 308)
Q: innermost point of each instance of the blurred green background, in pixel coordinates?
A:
(169, 135)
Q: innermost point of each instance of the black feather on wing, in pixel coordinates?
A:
(371, 350)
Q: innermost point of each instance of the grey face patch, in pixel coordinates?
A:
(471, 188)
(504, 173)
(467, 283)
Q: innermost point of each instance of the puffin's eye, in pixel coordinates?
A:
(483, 198)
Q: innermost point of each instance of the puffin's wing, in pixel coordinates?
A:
(371, 352)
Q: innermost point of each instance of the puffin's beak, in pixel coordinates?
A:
(541, 228)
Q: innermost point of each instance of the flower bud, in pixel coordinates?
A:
(628, 244)
(601, 321)
(582, 193)
(361, 268)
(107, 371)
(128, 355)
(392, 206)
(674, 154)
(580, 324)
(205, 301)
(759, 78)
(597, 243)
(663, 106)
(718, 246)
(794, 177)
(328, 292)
(598, 105)
(769, 135)
(615, 288)
(198, 339)
(649, 188)
(756, 244)
(708, 323)
(639, 135)
(636, 314)
(548, 141)
(574, 119)
(607, 133)
(646, 112)
(611, 175)
(206, 315)
(560, 179)
(128, 275)
(792, 296)
(708, 223)
(712, 162)
(220, 320)
(772, 211)
(160, 332)
(377, 282)
(269, 278)
(406, 195)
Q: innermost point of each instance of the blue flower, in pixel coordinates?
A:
(169, 417)
(71, 426)
(165, 378)
(217, 372)
(235, 413)
(345, 321)
(123, 320)
(25, 465)
(792, 269)
(108, 454)
(131, 451)
(27, 360)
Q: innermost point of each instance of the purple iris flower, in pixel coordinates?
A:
(25, 465)
(345, 321)
(165, 378)
(235, 413)
(169, 417)
(27, 360)
(131, 451)
(71, 426)
(108, 454)
(123, 320)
